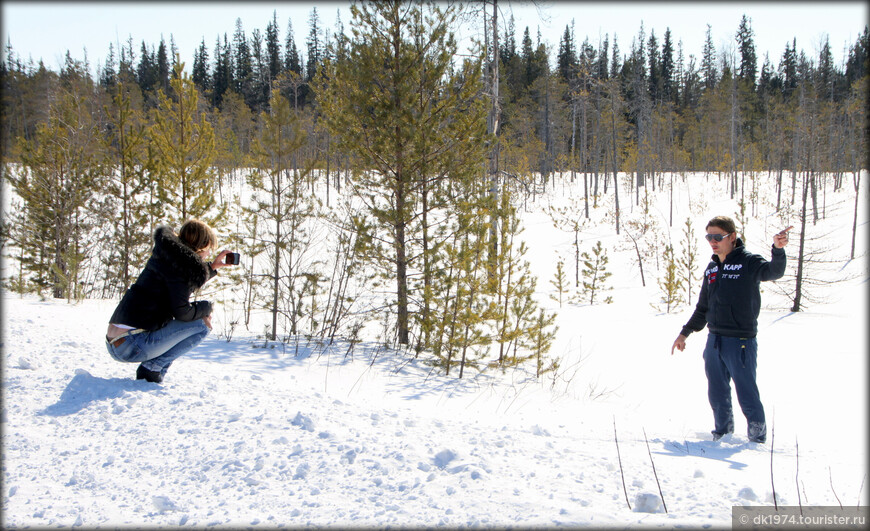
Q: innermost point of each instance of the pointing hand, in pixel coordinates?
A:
(781, 238)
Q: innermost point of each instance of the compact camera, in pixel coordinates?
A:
(232, 258)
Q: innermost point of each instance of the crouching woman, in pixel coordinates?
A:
(155, 322)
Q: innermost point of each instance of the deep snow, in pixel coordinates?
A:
(246, 435)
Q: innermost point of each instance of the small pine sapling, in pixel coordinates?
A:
(559, 282)
(670, 283)
(689, 260)
(571, 219)
(595, 274)
(542, 333)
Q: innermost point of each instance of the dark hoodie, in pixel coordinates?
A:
(162, 291)
(730, 298)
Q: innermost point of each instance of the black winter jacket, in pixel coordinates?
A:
(730, 298)
(162, 291)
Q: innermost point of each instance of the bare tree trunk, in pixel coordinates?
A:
(778, 187)
(276, 288)
(796, 307)
(856, 179)
(401, 264)
(615, 166)
(492, 124)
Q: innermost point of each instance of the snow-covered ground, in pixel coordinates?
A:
(246, 435)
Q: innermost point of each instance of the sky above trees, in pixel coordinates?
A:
(47, 30)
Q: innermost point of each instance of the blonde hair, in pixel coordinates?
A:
(197, 235)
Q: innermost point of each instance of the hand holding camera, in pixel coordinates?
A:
(226, 258)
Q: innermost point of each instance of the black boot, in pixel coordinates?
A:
(149, 376)
(717, 435)
(757, 432)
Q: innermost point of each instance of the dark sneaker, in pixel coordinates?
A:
(149, 376)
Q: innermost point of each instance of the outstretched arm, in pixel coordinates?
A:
(775, 268)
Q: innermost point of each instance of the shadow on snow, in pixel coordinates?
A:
(409, 377)
(85, 389)
(716, 450)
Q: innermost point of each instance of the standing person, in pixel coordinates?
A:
(156, 322)
(729, 304)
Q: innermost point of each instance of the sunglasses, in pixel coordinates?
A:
(717, 237)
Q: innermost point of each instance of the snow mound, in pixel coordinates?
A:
(444, 458)
(303, 422)
(163, 503)
(647, 502)
(748, 494)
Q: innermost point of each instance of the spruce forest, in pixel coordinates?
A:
(383, 166)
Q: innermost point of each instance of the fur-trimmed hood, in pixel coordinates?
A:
(176, 260)
(162, 291)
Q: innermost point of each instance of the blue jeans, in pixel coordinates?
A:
(734, 359)
(158, 349)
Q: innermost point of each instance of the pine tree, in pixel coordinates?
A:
(595, 274)
(531, 64)
(567, 58)
(858, 61)
(146, 72)
(62, 168)
(258, 96)
(243, 72)
(670, 282)
(427, 123)
(539, 341)
(223, 79)
(273, 49)
(162, 66)
(520, 322)
(133, 214)
(688, 262)
(508, 48)
(826, 76)
(602, 61)
(615, 60)
(708, 61)
(183, 142)
(656, 84)
(283, 206)
(788, 69)
(126, 70)
(173, 52)
(108, 76)
(315, 46)
(469, 310)
(668, 74)
(690, 91)
(200, 73)
(291, 53)
(559, 282)
(571, 218)
(748, 59)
